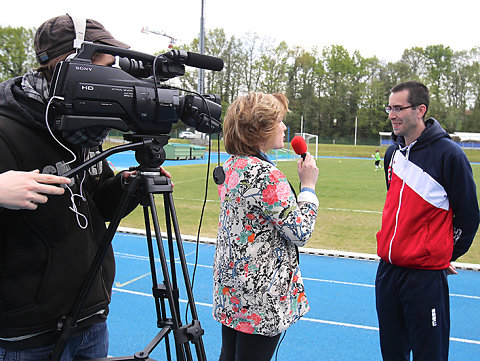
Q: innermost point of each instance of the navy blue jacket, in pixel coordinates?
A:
(431, 211)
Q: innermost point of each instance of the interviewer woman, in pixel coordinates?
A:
(258, 289)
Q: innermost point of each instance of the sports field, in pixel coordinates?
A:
(350, 191)
(342, 322)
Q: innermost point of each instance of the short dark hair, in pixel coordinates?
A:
(417, 93)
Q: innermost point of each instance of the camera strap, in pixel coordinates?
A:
(79, 25)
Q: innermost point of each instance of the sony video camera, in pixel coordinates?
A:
(131, 97)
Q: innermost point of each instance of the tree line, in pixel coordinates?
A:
(331, 87)
(328, 88)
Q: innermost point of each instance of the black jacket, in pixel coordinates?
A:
(44, 254)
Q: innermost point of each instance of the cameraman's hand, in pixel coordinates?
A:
(25, 190)
(307, 171)
(164, 172)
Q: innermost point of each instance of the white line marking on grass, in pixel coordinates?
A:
(187, 181)
(324, 209)
(306, 319)
(197, 200)
(350, 210)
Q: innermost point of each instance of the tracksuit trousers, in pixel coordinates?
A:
(413, 313)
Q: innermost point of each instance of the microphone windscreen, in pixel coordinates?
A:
(204, 61)
(299, 145)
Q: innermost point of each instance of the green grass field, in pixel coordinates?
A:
(351, 198)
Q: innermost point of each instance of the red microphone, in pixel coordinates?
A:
(299, 146)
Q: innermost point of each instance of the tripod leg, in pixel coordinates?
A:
(198, 342)
(158, 296)
(173, 299)
(168, 221)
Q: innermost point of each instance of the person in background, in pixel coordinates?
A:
(258, 290)
(50, 234)
(377, 159)
(430, 219)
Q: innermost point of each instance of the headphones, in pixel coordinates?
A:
(79, 26)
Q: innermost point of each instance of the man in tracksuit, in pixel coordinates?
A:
(429, 219)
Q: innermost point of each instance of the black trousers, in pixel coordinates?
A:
(239, 346)
(413, 313)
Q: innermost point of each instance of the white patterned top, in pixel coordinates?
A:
(258, 286)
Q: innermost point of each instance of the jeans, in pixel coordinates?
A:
(91, 344)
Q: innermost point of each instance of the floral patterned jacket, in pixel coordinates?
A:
(258, 288)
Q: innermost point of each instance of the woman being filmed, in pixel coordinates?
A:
(258, 289)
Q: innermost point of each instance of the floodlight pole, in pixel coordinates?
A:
(356, 121)
(201, 50)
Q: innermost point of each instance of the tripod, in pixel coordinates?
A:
(146, 183)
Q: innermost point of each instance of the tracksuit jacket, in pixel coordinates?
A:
(431, 212)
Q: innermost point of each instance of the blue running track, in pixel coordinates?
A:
(341, 324)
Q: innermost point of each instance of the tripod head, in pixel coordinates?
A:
(151, 155)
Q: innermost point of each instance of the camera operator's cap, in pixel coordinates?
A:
(56, 36)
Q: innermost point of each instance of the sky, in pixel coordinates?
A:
(379, 28)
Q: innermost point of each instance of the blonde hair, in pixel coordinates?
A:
(250, 122)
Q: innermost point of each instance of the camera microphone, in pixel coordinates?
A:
(299, 146)
(196, 60)
(204, 61)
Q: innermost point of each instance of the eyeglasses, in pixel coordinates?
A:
(397, 110)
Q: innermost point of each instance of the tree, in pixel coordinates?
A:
(17, 56)
(304, 77)
(274, 64)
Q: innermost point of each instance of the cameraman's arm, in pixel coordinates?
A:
(25, 190)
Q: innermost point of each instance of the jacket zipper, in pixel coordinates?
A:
(399, 202)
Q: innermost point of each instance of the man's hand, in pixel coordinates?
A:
(451, 270)
(25, 190)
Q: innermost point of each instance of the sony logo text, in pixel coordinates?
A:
(83, 68)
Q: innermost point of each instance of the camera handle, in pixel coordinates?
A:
(146, 184)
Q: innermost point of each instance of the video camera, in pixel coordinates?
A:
(131, 97)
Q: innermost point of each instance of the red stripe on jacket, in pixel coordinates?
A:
(415, 233)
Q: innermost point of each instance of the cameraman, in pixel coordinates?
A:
(47, 247)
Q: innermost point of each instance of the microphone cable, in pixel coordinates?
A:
(278, 346)
(206, 193)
